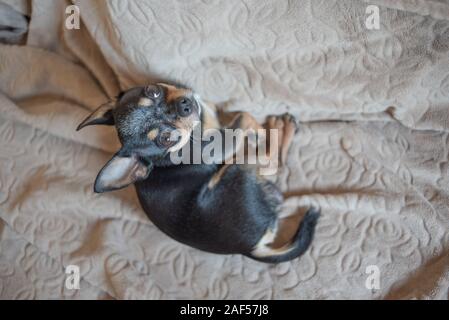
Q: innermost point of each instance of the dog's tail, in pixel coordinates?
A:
(301, 240)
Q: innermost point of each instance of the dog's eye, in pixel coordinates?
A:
(152, 92)
(165, 139)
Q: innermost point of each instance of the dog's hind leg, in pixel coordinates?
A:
(287, 241)
(291, 231)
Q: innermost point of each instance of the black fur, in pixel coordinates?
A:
(229, 218)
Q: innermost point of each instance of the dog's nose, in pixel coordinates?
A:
(185, 107)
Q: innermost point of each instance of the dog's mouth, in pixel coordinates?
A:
(182, 133)
(172, 137)
(179, 138)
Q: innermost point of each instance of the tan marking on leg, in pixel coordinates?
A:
(287, 128)
(280, 240)
(145, 102)
(252, 132)
(280, 128)
(263, 247)
(274, 123)
(153, 134)
(290, 128)
(286, 231)
(271, 120)
(244, 121)
(209, 115)
(217, 176)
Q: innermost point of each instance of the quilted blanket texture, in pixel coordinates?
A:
(372, 151)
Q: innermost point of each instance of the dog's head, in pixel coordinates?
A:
(151, 122)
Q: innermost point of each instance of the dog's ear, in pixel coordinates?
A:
(102, 115)
(120, 172)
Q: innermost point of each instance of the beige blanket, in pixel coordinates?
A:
(372, 152)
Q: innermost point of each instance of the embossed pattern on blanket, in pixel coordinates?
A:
(372, 151)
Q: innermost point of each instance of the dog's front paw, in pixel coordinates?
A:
(290, 123)
(286, 126)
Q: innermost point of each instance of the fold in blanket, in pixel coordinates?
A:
(372, 151)
(13, 25)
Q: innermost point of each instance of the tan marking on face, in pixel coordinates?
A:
(145, 102)
(173, 93)
(185, 137)
(185, 128)
(184, 125)
(153, 134)
(245, 121)
(217, 176)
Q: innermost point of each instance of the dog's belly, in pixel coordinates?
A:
(168, 197)
(179, 221)
(172, 200)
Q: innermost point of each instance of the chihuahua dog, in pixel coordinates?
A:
(216, 207)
